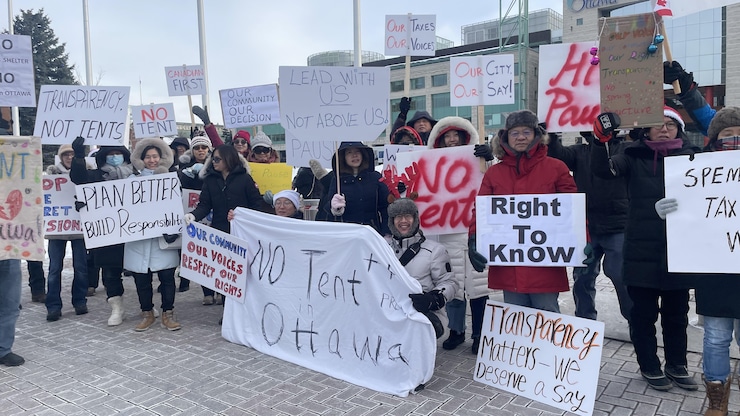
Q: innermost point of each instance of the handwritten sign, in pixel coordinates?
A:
(447, 181)
(190, 198)
(215, 259)
(130, 209)
(532, 230)
(21, 203)
(334, 103)
(706, 191)
(631, 78)
(99, 114)
(568, 91)
(299, 152)
(411, 34)
(331, 297)
(17, 83)
(250, 106)
(273, 177)
(544, 356)
(154, 120)
(60, 216)
(482, 80)
(185, 80)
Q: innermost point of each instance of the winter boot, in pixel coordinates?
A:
(146, 322)
(455, 339)
(718, 394)
(116, 314)
(168, 321)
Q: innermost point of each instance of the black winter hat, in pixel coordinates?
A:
(403, 206)
(522, 118)
(726, 117)
(419, 115)
(179, 141)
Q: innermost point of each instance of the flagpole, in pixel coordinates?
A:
(357, 33)
(203, 57)
(88, 54)
(14, 116)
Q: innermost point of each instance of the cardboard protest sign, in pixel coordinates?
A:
(410, 34)
(631, 78)
(334, 103)
(706, 189)
(298, 152)
(273, 177)
(531, 230)
(447, 181)
(482, 80)
(185, 80)
(17, 83)
(544, 356)
(215, 259)
(99, 114)
(568, 91)
(21, 202)
(60, 216)
(154, 120)
(130, 209)
(331, 297)
(250, 106)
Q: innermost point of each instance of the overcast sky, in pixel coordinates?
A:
(246, 40)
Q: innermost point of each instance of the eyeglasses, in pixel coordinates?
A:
(668, 126)
(261, 149)
(280, 203)
(240, 142)
(525, 133)
(200, 147)
(216, 159)
(68, 155)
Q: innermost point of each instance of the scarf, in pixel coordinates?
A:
(111, 173)
(662, 147)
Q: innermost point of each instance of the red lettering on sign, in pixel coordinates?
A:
(566, 108)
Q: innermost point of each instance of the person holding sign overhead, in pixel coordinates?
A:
(422, 122)
(651, 287)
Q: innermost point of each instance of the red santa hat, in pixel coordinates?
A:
(673, 113)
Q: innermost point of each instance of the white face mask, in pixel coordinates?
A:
(728, 143)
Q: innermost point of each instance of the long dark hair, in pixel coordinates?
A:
(229, 156)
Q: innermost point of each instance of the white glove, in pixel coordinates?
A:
(337, 204)
(189, 218)
(665, 206)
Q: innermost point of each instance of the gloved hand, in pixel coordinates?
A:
(484, 151)
(170, 238)
(477, 260)
(78, 145)
(318, 170)
(589, 252)
(606, 126)
(202, 115)
(189, 218)
(588, 135)
(337, 205)
(665, 206)
(429, 301)
(196, 168)
(404, 106)
(79, 205)
(673, 71)
(267, 197)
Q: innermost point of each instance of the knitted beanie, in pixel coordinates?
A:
(291, 195)
(201, 141)
(64, 149)
(403, 206)
(261, 139)
(726, 117)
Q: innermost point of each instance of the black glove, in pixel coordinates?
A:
(404, 106)
(673, 72)
(202, 115)
(401, 187)
(170, 238)
(429, 301)
(477, 260)
(78, 145)
(484, 151)
(79, 205)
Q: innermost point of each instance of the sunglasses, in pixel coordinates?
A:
(240, 142)
(200, 147)
(261, 150)
(217, 159)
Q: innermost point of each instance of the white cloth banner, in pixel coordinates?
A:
(531, 230)
(154, 120)
(215, 260)
(334, 103)
(17, 83)
(482, 80)
(411, 34)
(250, 106)
(99, 114)
(544, 356)
(706, 190)
(130, 209)
(60, 216)
(331, 297)
(185, 80)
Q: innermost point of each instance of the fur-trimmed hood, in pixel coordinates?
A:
(452, 123)
(164, 162)
(208, 166)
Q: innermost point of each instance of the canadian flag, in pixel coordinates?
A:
(662, 8)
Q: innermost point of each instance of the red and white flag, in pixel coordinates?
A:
(662, 8)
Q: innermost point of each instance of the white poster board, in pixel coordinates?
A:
(411, 34)
(706, 190)
(130, 209)
(185, 80)
(190, 198)
(250, 106)
(333, 298)
(544, 356)
(531, 230)
(482, 80)
(60, 216)
(99, 114)
(334, 103)
(154, 120)
(568, 91)
(298, 152)
(215, 260)
(17, 83)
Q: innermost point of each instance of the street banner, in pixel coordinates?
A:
(60, 215)
(17, 82)
(154, 120)
(185, 80)
(274, 177)
(482, 80)
(250, 106)
(410, 34)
